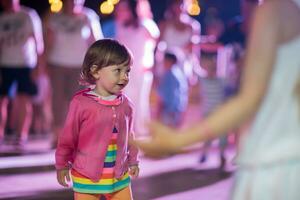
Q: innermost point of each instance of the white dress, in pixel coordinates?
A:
(139, 86)
(72, 37)
(270, 158)
(21, 38)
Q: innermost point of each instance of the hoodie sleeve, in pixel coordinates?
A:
(67, 139)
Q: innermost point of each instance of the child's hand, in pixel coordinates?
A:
(63, 177)
(134, 171)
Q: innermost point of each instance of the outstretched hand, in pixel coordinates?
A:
(164, 141)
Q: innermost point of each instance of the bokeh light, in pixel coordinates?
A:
(56, 5)
(106, 7)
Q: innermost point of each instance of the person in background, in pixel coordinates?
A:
(21, 45)
(139, 33)
(42, 104)
(213, 25)
(98, 127)
(212, 95)
(68, 35)
(173, 92)
(268, 99)
(179, 30)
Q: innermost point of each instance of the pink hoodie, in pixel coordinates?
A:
(87, 132)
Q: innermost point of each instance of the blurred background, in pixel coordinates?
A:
(207, 39)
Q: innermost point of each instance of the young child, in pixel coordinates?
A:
(212, 92)
(94, 142)
(172, 91)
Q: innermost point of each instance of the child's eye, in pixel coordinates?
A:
(118, 70)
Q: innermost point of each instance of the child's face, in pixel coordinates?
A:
(112, 79)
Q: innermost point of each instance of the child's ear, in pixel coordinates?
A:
(94, 71)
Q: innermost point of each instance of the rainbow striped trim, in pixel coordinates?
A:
(107, 183)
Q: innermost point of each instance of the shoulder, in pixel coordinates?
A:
(267, 20)
(81, 92)
(162, 25)
(274, 4)
(81, 95)
(195, 24)
(90, 14)
(127, 100)
(275, 13)
(151, 27)
(25, 9)
(127, 103)
(191, 22)
(169, 74)
(31, 13)
(269, 11)
(82, 101)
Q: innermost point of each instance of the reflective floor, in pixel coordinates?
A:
(178, 177)
(28, 174)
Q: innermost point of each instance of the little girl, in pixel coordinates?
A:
(94, 142)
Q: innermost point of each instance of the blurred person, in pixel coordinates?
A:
(179, 30)
(214, 26)
(98, 126)
(139, 33)
(269, 96)
(212, 95)
(68, 35)
(173, 92)
(42, 104)
(108, 26)
(236, 33)
(21, 45)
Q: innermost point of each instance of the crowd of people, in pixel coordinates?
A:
(60, 75)
(166, 65)
(38, 83)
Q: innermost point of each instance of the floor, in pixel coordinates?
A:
(30, 175)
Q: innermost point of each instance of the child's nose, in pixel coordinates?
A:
(125, 76)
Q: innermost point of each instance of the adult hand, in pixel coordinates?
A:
(164, 141)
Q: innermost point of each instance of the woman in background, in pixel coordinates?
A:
(68, 35)
(136, 29)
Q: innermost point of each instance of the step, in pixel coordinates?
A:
(27, 163)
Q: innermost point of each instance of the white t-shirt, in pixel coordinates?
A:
(72, 37)
(21, 38)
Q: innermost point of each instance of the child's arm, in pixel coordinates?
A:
(67, 139)
(95, 26)
(132, 150)
(133, 161)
